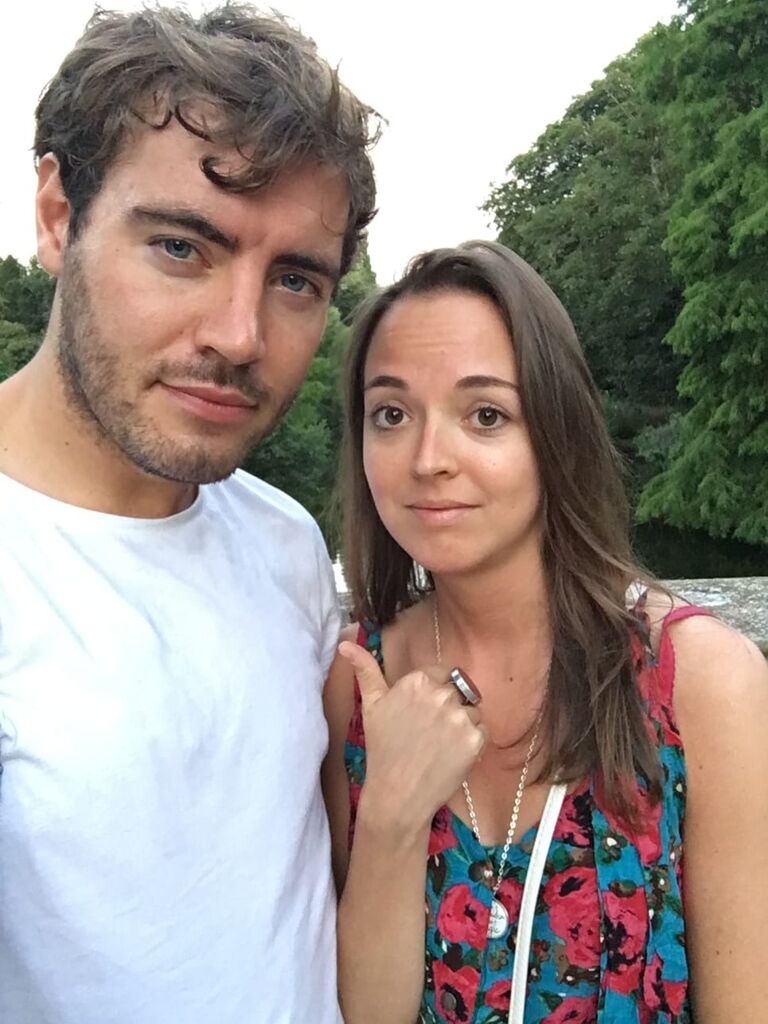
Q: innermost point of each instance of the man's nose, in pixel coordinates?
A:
(232, 325)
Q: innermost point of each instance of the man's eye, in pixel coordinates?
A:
(295, 283)
(178, 249)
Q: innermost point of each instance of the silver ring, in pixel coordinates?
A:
(467, 692)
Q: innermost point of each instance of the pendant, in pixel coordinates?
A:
(499, 921)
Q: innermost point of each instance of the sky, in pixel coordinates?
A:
(464, 89)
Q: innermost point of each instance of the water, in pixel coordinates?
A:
(692, 554)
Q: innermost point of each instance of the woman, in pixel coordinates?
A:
(487, 531)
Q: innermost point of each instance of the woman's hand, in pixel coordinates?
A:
(421, 742)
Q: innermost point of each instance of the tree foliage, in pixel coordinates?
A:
(17, 346)
(646, 208)
(356, 285)
(712, 91)
(26, 294)
(586, 206)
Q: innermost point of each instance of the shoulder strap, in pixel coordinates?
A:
(369, 636)
(544, 835)
(686, 611)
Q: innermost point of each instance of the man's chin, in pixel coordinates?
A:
(189, 477)
(189, 468)
(188, 459)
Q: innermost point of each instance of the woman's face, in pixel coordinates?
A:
(446, 450)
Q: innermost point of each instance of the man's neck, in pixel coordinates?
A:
(49, 447)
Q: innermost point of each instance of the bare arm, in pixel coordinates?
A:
(338, 703)
(381, 910)
(721, 700)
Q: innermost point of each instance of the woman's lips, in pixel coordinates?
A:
(441, 515)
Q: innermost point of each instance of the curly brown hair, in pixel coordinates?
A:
(235, 77)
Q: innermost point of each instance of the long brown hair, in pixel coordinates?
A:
(593, 717)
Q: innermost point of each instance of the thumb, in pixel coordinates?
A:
(373, 685)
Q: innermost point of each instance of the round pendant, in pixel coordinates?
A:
(499, 921)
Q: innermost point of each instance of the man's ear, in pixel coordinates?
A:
(52, 213)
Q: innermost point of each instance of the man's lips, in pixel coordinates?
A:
(207, 402)
(209, 393)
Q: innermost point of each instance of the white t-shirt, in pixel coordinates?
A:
(164, 849)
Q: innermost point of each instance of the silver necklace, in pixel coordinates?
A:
(499, 919)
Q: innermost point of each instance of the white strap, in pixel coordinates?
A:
(530, 897)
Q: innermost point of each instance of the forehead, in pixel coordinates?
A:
(163, 166)
(443, 331)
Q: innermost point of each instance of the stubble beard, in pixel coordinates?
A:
(92, 376)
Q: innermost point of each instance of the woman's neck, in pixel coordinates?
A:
(503, 607)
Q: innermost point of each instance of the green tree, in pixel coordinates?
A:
(17, 346)
(26, 293)
(712, 88)
(587, 207)
(356, 285)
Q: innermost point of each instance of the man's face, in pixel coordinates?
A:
(189, 315)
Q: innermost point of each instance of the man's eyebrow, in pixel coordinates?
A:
(385, 381)
(312, 263)
(481, 380)
(186, 219)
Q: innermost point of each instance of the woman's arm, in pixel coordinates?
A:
(419, 742)
(721, 702)
(339, 705)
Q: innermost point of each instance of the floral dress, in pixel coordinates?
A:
(608, 938)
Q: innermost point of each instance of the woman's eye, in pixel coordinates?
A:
(178, 249)
(388, 416)
(489, 417)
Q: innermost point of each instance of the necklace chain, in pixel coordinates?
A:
(465, 785)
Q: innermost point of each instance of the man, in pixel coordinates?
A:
(166, 622)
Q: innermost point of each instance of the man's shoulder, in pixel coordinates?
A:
(258, 498)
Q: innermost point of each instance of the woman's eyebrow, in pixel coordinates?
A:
(481, 380)
(477, 380)
(385, 381)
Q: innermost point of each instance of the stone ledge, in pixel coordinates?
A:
(742, 602)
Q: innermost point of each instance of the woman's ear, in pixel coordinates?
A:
(52, 215)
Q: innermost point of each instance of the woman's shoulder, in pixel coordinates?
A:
(720, 674)
(713, 678)
(695, 665)
(705, 648)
